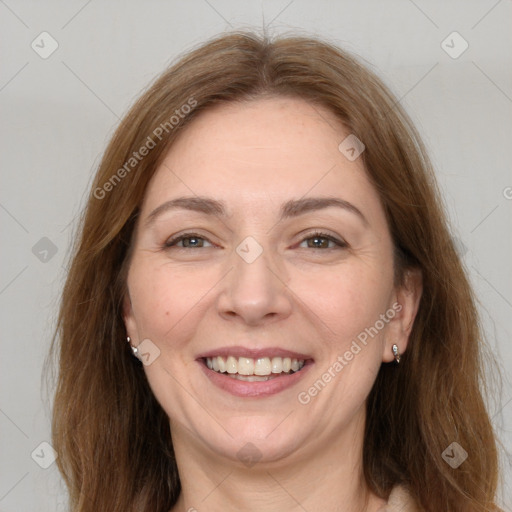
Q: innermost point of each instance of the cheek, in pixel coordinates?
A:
(347, 300)
(165, 302)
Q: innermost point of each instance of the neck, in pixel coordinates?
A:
(322, 478)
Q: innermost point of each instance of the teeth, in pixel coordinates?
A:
(231, 365)
(252, 378)
(277, 365)
(248, 369)
(245, 366)
(262, 366)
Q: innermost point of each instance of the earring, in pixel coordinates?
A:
(396, 353)
(135, 352)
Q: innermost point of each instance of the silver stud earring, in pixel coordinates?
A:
(396, 353)
(135, 352)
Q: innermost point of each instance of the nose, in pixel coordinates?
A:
(255, 292)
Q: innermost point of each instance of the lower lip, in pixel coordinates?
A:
(254, 389)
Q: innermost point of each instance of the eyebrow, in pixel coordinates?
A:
(289, 209)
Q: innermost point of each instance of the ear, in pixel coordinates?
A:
(406, 303)
(129, 319)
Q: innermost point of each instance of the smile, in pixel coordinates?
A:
(254, 369)
(254, 373)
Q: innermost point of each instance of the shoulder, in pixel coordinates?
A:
(400, 500)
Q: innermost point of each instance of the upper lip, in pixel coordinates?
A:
(254, 353)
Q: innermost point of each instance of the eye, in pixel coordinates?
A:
(194, 241)
(321, 241)
(191, 240)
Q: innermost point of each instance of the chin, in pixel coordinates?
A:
(258, 440)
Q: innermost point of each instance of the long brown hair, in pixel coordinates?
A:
(111, 435)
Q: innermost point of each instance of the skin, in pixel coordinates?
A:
(255, 156)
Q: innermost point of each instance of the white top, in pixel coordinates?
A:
(400, 500)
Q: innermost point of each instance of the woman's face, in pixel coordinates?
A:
(268, 278)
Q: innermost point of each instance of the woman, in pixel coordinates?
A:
(266, 237)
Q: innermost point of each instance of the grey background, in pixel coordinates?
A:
(58, 114)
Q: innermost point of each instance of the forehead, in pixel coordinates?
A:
(260, 150)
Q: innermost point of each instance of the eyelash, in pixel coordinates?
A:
(317, 234)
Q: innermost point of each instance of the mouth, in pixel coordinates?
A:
(254, 373)
(250, 369)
